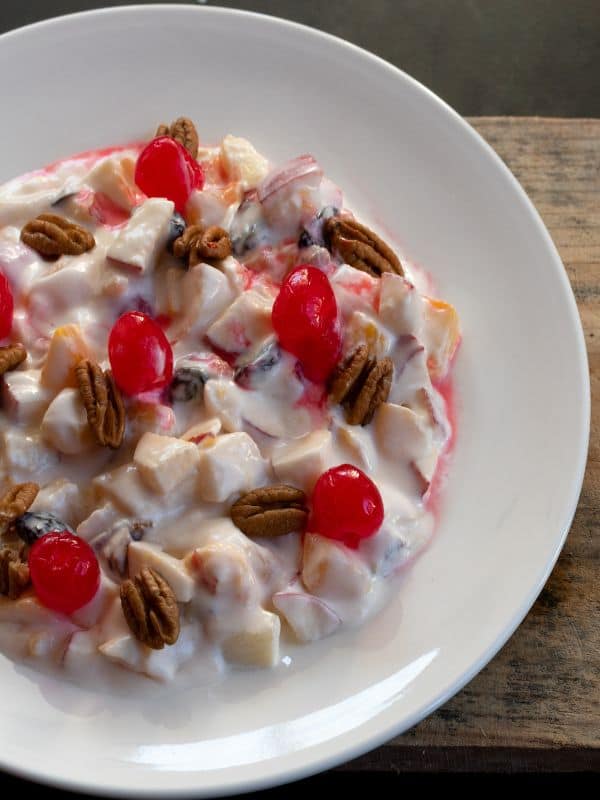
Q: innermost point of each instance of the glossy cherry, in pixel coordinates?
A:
(165, 169)
(346, 505)
(305, 319)
(6, 307)
(140, 355)
(64, 571)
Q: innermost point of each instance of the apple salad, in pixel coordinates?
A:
(222, 408)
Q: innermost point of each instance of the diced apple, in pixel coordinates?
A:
(81, 649)
(354, 290)
(332, 570)
(258, 644)
(214, 205)
(235, 272)
(62, 498)
(206, 293)
(67, 348)
(400, 305)
(113, 177)
(91, 613)
(173, 570)
(27, 610)
(164, 461)
(149, 418)
(139, 243)
(301, 461)
(65, 425)
(357, 443)
(203, 430)
(48, 644)
(100, 520)
(162, 664)
(401, 434)
(24, 399)
(245, 323)
(410, 371)
(232, 464)
(26, 457)
(441, 335)
(223, 571)
(242, 162)
(309, 617)
(125, 488)
(223, 399)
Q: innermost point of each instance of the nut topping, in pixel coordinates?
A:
(360, 247)
(197, 244)
(15, 502)
(11, 356)
(103, 403)
(271, 511)
(150, 609)
(14, 573)
(54, 236)
(183, 131)
(361, 384)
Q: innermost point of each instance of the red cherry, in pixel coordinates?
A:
(140, 354)
(305, 318)
(165, 169)
(6, 307)
(64, 571)
(346, 505)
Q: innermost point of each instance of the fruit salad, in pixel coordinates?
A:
(224, 408)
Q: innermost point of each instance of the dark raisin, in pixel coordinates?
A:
(328, 211)
(246, 374)
(305, 239)
(187, 384)
(32, 525)
(176, 228)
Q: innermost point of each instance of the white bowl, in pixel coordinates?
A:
(410, 165)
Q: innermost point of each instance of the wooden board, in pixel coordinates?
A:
(537, 704)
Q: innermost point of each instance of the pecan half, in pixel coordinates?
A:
(103, 403)
(183, 131)
(361, 384)
(150, 609)
(271, 511)
(11, 356)
(15, 502)
(360, 247)
(14, 573)
(54, 236)
(197, 244)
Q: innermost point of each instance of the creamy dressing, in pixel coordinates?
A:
(250, 420)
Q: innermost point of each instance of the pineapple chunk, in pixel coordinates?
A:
(164, 461)
(242, 162)
(142, 554)
(139, 244)
(232, 464)
(245, 323)
(301, 461)
(362, 328)
(26, 458)
(205, 293)
(23, 398)
(65, 425)
(258, 644)
(67, 348)
(63, 498)
(113, 177)
(441, 335)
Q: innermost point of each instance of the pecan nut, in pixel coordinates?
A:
(14, 573)
(15, 503)
(11, 356)
(197, 244)
(103, 403)
(150, 609)
(271, 511)
(361, 384)
(53, 236)
(360, 247)
(183, 131)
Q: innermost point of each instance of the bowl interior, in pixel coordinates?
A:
(410, 166)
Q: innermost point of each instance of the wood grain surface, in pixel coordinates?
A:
(536, 706)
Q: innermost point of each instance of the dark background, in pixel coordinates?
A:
(484, 57)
